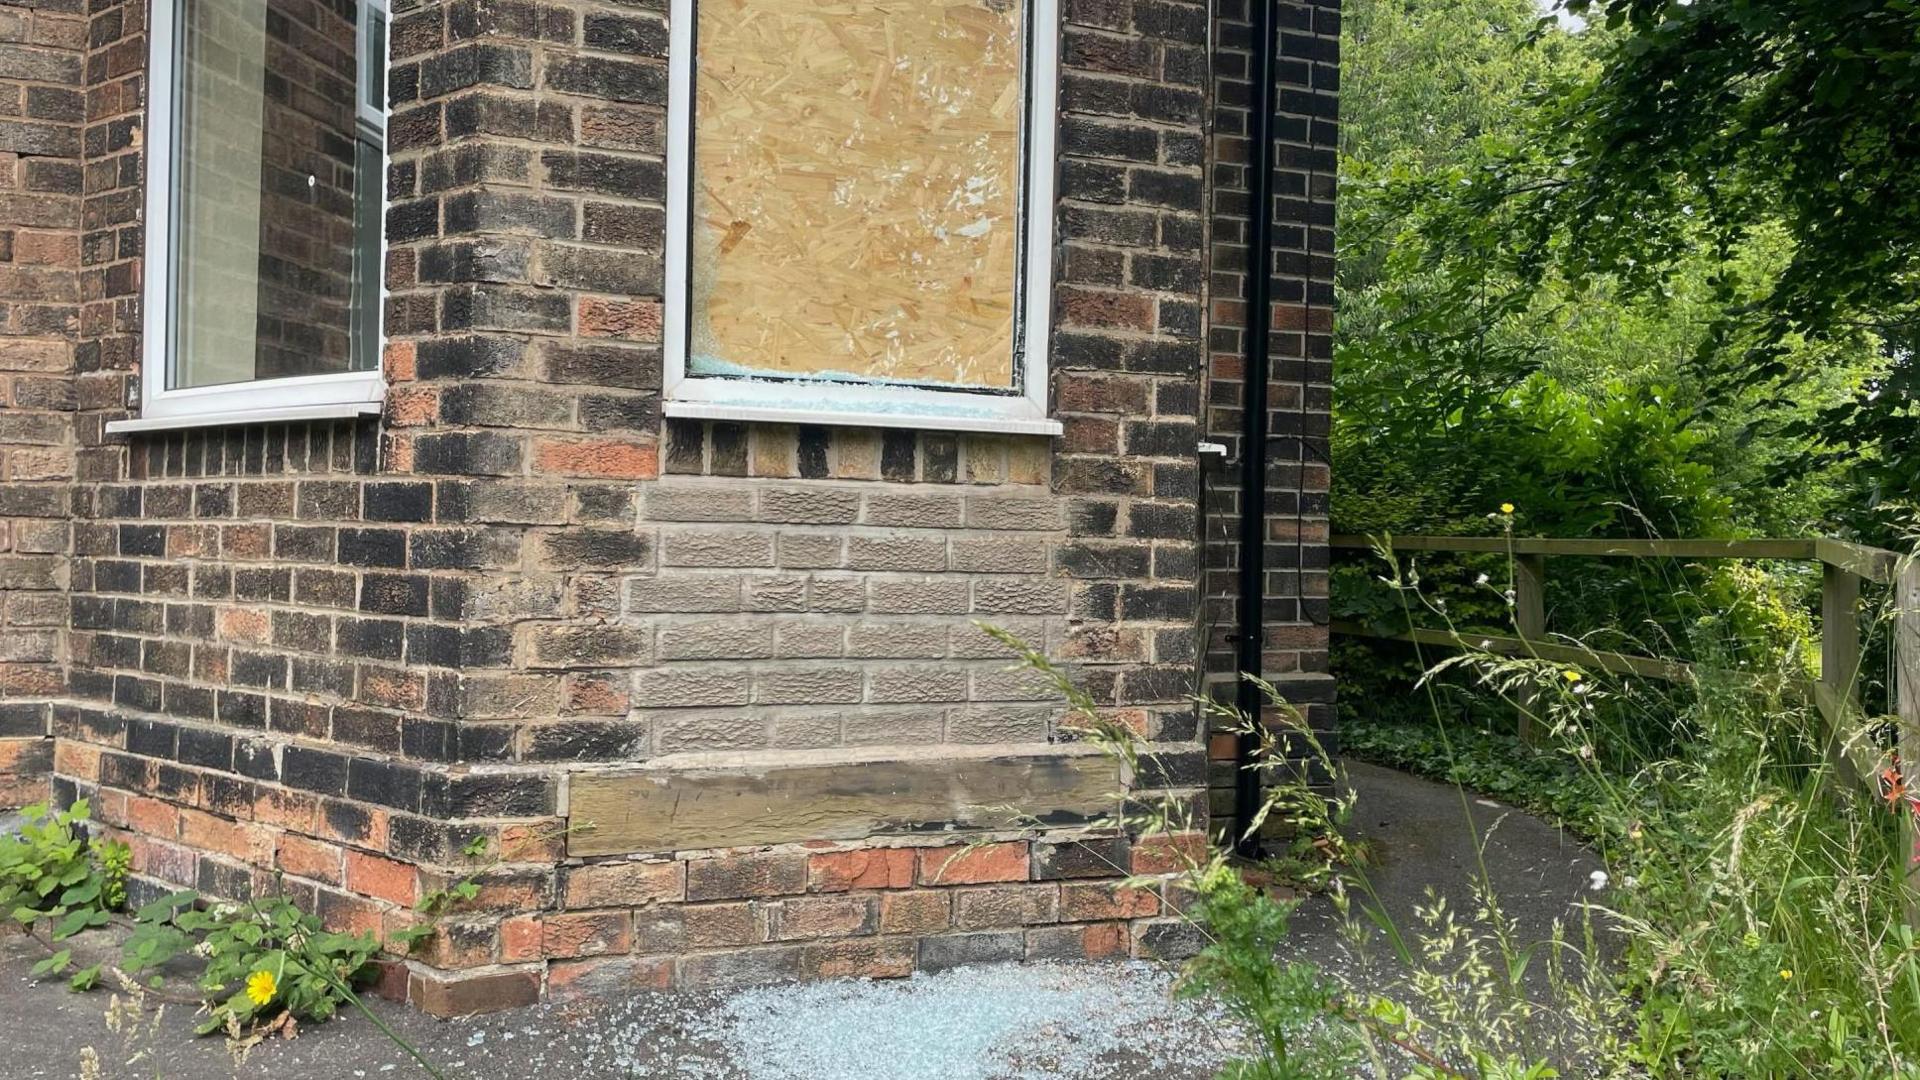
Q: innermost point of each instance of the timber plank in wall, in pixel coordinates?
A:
(692, 801)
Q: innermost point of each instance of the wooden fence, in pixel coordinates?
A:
(1844, 567)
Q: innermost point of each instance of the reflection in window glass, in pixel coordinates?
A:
(277, 179)
(856, 181)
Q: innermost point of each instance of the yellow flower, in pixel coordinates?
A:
(261, 987)
(1571, 676)
(1786, 973)
(1506, 508)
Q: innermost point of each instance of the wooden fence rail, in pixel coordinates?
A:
(1843, 568)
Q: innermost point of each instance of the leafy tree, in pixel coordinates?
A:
(1753, 154)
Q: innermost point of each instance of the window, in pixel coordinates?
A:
(860, 211)
(264, 204)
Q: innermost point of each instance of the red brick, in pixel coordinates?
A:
(385, 879)
(301, 857)
(625, 884)
(863, 958)
(400, 359)
(412, 406)
(1167, 853)
(1115, 310)
(585, 933)
(633, 320)
(729, 877)
(842, 871)
(922, 912)
(153, 817)
(1005, 905)
(520, 939)
(820, 917)
(246, 625)
(287, 809)
(207, 832)
(607, 978)
(466, 995)
(1085, 901)
(974, 865)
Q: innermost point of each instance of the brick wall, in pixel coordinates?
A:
(41, 114)
(340, 650)
(1299, 393)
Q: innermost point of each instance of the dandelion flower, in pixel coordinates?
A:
(261, 987)
(1786, 973)
(1571, 675)
(1506, 508)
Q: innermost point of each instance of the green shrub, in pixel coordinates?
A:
(263, 959)
(50, 871)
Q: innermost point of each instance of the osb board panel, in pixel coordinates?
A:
(856, 170)
(721, 800)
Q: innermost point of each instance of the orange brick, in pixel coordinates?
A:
(246, 541)
(613, 459)
(208, 832)
(306, 858)
(412, 406)
(625, 884)
(634, 320)
(247, 625)
(520, 939)
(841, 871)
(532, 843)
(76, 759)
(399, 452)
(401, 358)
(1102, 940)
(384, 879)
(1167, 853)
(976, 865)
(586, 933)
(1085, 901)
(153, 817)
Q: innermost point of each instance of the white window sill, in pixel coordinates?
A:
(793, 414)
(237, 417)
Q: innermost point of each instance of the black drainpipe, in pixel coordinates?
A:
(1251, 636)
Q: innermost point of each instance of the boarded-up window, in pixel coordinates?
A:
(856, 189)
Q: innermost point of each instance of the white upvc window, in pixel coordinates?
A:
(266, 177)
(860, 212)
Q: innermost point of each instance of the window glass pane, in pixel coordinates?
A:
(271, 234)
(856, 177)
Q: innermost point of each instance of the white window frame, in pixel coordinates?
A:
(871, 403)
(300, 397)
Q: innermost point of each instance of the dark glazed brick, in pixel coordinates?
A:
(897, 455)
(729, 449)
(812, 452)
(398, 501)
(313, 770)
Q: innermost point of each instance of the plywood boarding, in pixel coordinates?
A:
(856, 175)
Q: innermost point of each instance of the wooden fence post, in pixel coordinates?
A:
(1530, 622)
(1840, 667)
(1906, 645)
